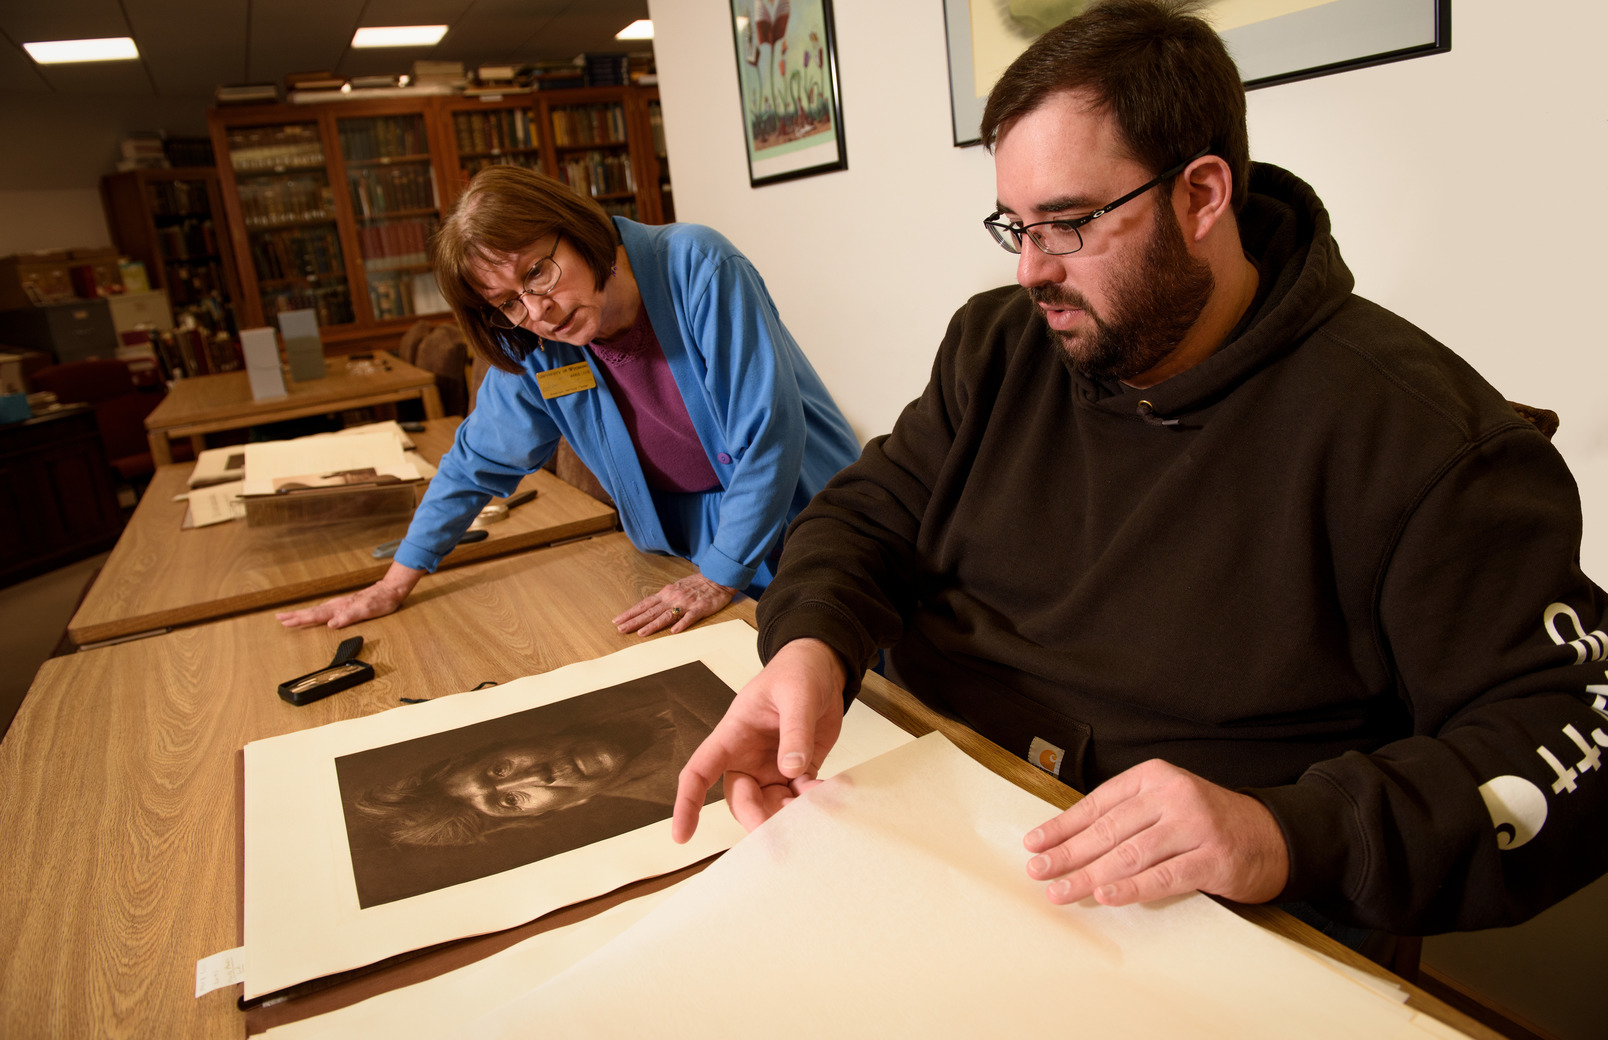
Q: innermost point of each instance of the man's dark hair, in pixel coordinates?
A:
(1155, 65)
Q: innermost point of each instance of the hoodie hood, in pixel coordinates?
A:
(1283, 228)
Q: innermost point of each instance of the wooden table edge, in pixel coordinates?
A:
(261, 599)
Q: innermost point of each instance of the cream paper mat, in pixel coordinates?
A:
(302, 917)
(894, 901)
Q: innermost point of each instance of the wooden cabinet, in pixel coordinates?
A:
(57, 503)
(330, 205)
(172, 222)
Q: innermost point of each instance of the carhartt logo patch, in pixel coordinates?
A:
(1046, 756)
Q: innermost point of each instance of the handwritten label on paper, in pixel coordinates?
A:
(220, 970)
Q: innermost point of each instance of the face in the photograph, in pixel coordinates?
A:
(534, 776)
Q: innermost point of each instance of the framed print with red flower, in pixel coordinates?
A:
(787, 81)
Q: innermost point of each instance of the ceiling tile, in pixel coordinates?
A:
(191, 46)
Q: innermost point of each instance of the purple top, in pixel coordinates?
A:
(667, 445)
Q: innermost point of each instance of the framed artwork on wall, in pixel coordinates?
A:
(1272, 41)
(787, 81)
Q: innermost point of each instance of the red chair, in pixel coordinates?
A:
(120, 411)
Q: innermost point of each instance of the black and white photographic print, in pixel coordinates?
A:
(451, 807)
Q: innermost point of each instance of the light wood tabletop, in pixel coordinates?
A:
(223, 401)
(118, 776)
(161, 576)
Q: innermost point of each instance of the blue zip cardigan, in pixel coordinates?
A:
(771, 430)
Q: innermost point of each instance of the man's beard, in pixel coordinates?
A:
(1153, 306)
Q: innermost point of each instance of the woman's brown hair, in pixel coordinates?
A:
(505, 210)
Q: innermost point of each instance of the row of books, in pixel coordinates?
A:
(183, 352)
(193, 284)
(475, 165)
(488, 131)
(619, 208)
(268, 203)
(210, 314)
(589, 124)
(383, 137)
(193, 237)
(607, 70)
(332, 304)
(397, 243)
(178, 198)
(598, 173)
(268, 148)
(379, 190)
(400, 295)
(311, 254)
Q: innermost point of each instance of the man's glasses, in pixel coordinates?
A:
(1060, 237)
(539, 281)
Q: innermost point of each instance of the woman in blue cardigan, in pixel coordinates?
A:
(658, 354)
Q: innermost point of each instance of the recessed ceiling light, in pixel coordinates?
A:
(399, 36)
(641, 29)
(58, 52)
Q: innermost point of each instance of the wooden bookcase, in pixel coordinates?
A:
(330, 205)
(172, 221)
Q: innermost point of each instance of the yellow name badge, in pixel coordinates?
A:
(560, 382)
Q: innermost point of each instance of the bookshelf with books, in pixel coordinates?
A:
(170, 220)
(655, 156)
(283, 215)
(592, 149)
(331, 206)
(391, 182)
(596, 139)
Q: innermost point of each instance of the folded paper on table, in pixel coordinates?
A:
(325, 479)
(894, 901)
(269, 463)
(218, 465)
(215, 504)
(435, 1007)
(303, 917)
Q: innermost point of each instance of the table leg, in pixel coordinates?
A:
(161, 451)
(432, 402)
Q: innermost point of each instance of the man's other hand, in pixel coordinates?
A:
(1156, 831)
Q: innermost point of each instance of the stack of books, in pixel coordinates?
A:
(246, 93)
(606, 70)
(442, 76)
(142, 150)
(300, 85)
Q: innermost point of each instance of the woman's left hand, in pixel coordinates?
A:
(678, 606)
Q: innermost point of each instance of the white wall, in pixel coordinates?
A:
(67, 218)
(1462, 187)
(57, 148)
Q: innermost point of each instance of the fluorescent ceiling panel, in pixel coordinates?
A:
(641, 29)
(399, 36)
(60, 52)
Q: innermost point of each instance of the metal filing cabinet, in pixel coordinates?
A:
(73, 330)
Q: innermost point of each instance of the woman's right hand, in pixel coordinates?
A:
(379, 599)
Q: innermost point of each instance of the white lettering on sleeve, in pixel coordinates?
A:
(1589, 646)
(1517, 808)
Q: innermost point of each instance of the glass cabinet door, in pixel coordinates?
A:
(288, 208)
(397, 207)
(496, 137)
(188, 251)
(594, 155)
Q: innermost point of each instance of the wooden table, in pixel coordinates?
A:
(160, 576)
(117, 778)
(208, 404)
